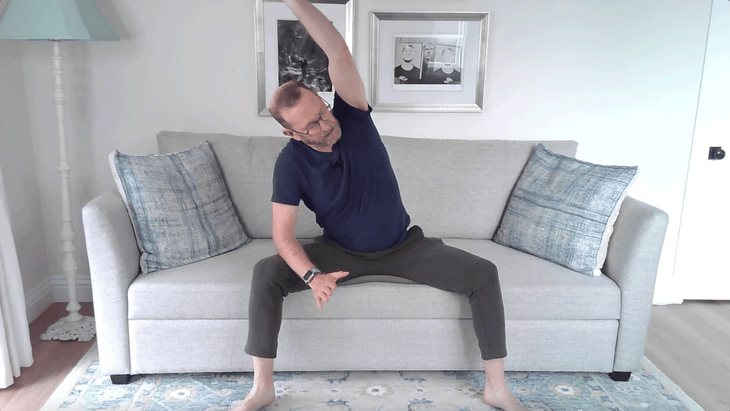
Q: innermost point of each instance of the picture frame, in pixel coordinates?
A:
(428, 61)
(284, 49)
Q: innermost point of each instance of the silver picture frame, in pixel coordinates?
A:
(277, 57)
(428, 61)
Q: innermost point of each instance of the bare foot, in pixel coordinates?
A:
(257, 398)
(502, 399)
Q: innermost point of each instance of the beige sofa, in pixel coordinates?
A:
(194, 318)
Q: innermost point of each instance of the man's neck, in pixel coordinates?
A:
(320, 149)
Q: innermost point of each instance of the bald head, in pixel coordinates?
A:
(285, 97)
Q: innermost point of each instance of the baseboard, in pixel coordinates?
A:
(60, 290)
(54, 290)
(38, 299)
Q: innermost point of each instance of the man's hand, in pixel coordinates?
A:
(324, 284)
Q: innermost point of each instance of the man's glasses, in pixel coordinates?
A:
(315, 127)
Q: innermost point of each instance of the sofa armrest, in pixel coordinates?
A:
(114, 264)
(633, 257)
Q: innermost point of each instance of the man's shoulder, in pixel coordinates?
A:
(287, 156)
(288, 147)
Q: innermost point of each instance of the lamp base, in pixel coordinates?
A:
(65, 330)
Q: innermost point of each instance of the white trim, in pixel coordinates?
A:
(54, 290)
(38, 299)
(83, 289)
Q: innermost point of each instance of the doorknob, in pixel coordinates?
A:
(717, 153)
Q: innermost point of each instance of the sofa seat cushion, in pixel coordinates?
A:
(533, 288)
(218, 288)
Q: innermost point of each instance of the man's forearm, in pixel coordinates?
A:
(293, 253)
(318, 26)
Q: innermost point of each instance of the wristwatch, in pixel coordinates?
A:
(309, 275)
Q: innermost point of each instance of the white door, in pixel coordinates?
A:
(702, 267)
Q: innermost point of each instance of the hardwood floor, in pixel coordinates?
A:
(690, 343)
(52, 361)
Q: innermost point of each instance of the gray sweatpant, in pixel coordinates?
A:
(423, 260)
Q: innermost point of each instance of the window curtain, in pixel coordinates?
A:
(15, 348)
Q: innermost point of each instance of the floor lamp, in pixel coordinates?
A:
(59, 20)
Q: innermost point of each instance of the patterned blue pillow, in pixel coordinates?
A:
(179, 207)
(563, 210)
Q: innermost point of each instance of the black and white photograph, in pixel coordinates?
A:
(285, 51)
(430, 61)
(300, 58)
(435, 60)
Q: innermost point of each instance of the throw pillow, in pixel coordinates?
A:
(179, 206)
(563, 210)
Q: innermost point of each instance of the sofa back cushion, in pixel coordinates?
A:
(247, 164)
(460, 188)
(451, 188)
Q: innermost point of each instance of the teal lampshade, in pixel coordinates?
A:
(54, 20)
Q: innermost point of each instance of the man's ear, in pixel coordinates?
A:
(290, 134)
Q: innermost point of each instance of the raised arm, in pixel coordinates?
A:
(343, 72)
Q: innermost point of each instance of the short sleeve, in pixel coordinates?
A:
(341, 110)
(287, 187)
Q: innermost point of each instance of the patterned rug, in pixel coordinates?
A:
(85, 389)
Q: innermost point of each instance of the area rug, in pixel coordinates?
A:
(86, 389)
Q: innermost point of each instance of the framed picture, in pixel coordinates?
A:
(428, 61)
(285, 51)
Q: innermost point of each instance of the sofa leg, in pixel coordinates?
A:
(620, 376)
(121, 379)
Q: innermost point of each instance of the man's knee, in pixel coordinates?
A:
(488, 275)
(268, 270)
(265, 265)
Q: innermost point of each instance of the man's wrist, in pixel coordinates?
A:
(310, 274)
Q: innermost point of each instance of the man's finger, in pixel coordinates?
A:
(340, 274)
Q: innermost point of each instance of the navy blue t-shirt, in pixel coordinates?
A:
(352, 190)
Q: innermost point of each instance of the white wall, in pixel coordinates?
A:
(622, 78)
(17, 159)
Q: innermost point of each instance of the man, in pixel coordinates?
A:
(303, 67)
(429, 52)
(337, 165)
(407, 72)
(447, 73)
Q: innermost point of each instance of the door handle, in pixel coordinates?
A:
(717, 153)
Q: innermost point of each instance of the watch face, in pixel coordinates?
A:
(310, 274)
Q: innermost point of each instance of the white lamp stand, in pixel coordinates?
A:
(75, 326)
(55, 20)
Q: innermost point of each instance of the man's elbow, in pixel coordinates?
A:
(283, 239)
